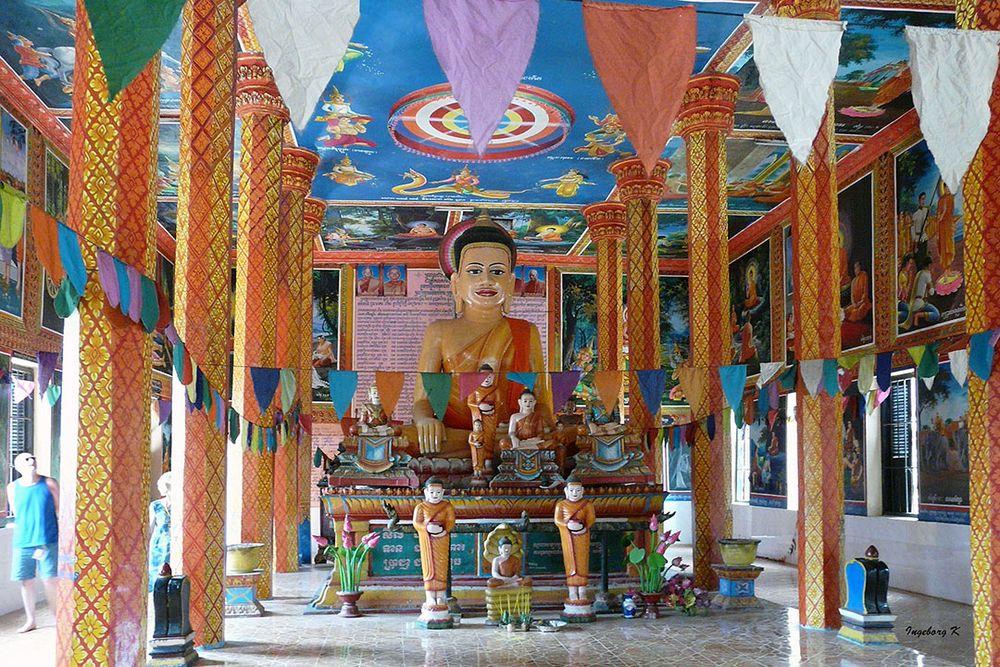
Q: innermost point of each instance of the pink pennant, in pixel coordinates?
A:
(135, 293)
(467, 383)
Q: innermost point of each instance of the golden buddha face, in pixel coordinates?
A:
(484, 280)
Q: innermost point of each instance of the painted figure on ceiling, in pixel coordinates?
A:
(603, 140)
(463, 182)
(40, 64)
(345, 173)
(567, 185)
(343, 125)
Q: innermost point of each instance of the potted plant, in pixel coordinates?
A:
(348, 560)
(505, 621)
(652, 567)
(681, 594)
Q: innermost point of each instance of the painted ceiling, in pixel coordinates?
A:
(395, 163)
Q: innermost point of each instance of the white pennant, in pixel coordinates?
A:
(304, 42)
(23, 389)
(866, 373)
(797, 60)
(953, 73)
(812, 374)
(767, 371)
(959, 360)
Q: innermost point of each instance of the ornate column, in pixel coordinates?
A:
(202, 303)
(817, 336)
(263, 116)
(981, 201)
(641, 192)
(705, 119)
(313, 213)
(103, 543)
(606, 221)
(297, 169)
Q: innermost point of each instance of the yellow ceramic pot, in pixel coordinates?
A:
(738, 552)
(243, 558)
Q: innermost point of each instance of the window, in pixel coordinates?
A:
(21, 419)
(899, 456)
(741, 461)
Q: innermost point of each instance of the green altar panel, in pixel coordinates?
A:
(545, 554)
(398, 555)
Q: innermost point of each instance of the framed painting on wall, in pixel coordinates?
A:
(325, 330)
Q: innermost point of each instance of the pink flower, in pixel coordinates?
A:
(347, 533)
(654, 523)
(677, 562)
(685, 583)
(661, 548)
(371, 539)
(671, 538)
(320, 540)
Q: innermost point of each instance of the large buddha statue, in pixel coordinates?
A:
(478, 257)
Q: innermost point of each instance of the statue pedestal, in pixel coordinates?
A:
(435, 617)
(506, 598)
(611, 459)
(173, 640)
(867, 628)
(172, 651)
(529, 468)
(578, 611)
(369, 460)
(865, 617)
(736, 586)
(241, 594)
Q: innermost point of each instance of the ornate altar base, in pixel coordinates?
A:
(736, 586)
(241, 594)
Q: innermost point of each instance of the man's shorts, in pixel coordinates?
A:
(29, 562)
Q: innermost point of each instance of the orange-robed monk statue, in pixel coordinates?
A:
(478, 256)
(433, 520)
(574, 517)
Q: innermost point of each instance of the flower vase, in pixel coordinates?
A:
(652, 608)
(349, 604)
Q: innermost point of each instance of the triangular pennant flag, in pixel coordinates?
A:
(831, 377)
(149, 311)
(849, 360)
(928, 367)
(527, 380)
(694, 382)
(883, 370)
(22, 389)
(265, 382)
(390, 386)
(163, 321)
(46, 367)
(258, 438)
(124, 287)
(789, 377)
(343, 384)
(170, 332)
(135, 294)
(959, 360)
(46, 235)
(12, 220)
(72, 260)
(772, 396)
(563, 385)
(66, 299)
(107, 275)
(164, 406)
(733, 379)
(811, 371)
(288, 387)
(304, 43)
(234, 425)
(764, 401)
(768, 370)
(710, 427)
(644, 57)
(467, 383)
(128, 33)
(953, 73)
(271, 437)
(609, 388)
(651, 386)
(881, 395)
(437, 387)
(306, 422)
(483, 47)
(797, 60)
(52, 395)
(866, 373)
(916, 353)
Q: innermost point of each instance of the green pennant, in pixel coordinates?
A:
(128, 33)
(66, 299)
(234, 425)
(437, 386)
(288, 386)
(150, 310)
(927, 367)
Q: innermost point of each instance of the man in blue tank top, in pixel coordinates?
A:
(34, 503)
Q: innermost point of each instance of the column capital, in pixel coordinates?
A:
(823, 10)
(298, 166)
(256, 92)
(315, 210)
(634, 183)
(709, 104)
(605, 220)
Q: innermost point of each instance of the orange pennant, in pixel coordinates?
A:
(609, 388)
(390, 386)
(693, 383)
(46, 234)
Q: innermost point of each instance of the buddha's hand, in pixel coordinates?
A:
(430, 434)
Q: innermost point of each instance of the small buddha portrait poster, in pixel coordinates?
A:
(529, 281)
(394, 283)
(855, 258)
(369, 280)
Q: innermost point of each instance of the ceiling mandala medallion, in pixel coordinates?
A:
(430, 122)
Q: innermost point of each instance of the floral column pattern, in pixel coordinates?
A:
(313, 212)
(112, 205)
(641, 192)
(981, 194)
(297, 169)
(706, 117)
(263, 116)
(606, 221)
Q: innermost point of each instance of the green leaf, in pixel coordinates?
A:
(656, 561)
(637, 555)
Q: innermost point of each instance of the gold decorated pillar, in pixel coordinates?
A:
(263, 116)
(297, 169)
(606, 222)
(816, 273)
(103, 541)
(981, 204)
(641, 192)
(705, 119)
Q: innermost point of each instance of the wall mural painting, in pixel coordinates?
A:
(750, 314)
(13, 151)
(789, 298)
(163, 352)
(930, 245)
(855, 207)
(166, 216)
(12, 279)
(549, 231)
(678, 461)
(943, 442)
(325, 330)
(383, 228)
(579, 329)
(853, 423)
(50, 320)
(56, 187)
(768, 469)
(675, 334)
(168, 160)
(737, 223)
(672, 233)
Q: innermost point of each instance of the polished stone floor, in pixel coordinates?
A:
(767, 637)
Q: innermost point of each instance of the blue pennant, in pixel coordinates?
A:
(651, 386)
(343, 385)
(883, 370)
(733, 379)
(265, 382)
(69, 253)
(981, 354)
(526, 379)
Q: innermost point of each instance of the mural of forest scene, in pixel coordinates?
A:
(853, 423)
(750, 314)
(678, 461)
(13, 151)
(930, 244)
(383, 228)
(56, 187)
(537, 230)
(854, 205)
(671, 235)
(943, 439)
(768, 469)
(325, 330)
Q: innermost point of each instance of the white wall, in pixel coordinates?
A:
(10, 591)
(682, 521)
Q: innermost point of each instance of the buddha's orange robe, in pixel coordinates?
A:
(435, 550)
(575, 546)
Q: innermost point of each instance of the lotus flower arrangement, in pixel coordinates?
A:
(652, 565)
(681, 594)
(349, 558)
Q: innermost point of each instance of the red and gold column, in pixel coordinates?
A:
(105, 465)
(606, 222)
(202, 301)
(641, 192)
(705, 119)
(817, 336)
(263, 116)
(297, 169)
(981, 202)
(313, 214)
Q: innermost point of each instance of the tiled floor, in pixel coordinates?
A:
(767, 637)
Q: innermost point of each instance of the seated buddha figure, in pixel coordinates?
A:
(530, 428)
(478, 257)
(505, 571)
(373, 419)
